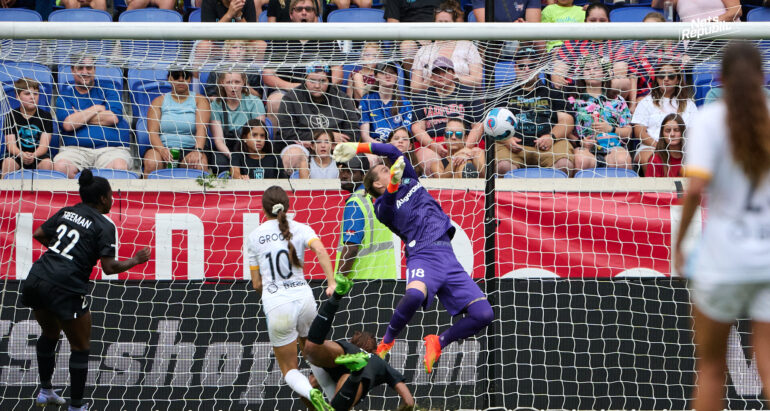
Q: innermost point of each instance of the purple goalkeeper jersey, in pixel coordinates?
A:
(411, 212)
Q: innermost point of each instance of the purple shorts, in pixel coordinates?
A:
(444, 277)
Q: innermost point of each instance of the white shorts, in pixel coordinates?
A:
(728, 302)
(83, 157)
(290, 320)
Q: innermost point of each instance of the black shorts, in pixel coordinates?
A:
(31, 166)
(38, 294)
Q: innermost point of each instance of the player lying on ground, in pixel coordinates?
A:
(342, 369)
(56, 287)
(432, 268)
(276, 255)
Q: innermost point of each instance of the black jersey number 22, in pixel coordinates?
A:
(73, 235)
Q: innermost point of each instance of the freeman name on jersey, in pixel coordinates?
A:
(77, 219)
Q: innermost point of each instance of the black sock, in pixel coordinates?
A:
(46, 360)
(78, 375)
(322, 323)
(346, 396)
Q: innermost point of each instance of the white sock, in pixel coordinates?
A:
(298, 382)
(324, 380)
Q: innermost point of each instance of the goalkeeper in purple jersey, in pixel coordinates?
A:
(408, 210)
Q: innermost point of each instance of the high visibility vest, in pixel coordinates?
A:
(376, 256)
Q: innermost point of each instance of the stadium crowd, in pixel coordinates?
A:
(579, 104)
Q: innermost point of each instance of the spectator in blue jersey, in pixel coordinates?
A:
(410, 212)
(445, 98)
(93, 130)
(510, 11)
(385, 109)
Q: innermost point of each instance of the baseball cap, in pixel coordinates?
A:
(443, 63)
(388, 65)
(317, 67)
(525, 53)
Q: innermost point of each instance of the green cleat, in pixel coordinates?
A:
(354, 362)
(318, 401)
(344, 284)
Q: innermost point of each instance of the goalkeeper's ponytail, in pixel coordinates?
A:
(275, 201)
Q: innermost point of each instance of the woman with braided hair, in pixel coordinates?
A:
(276, 255)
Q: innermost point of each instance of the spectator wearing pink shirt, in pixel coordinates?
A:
(691, 10)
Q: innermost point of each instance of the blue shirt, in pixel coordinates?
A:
(92, 136)
(353, 223)
(177, 122)
(411, 212)
(381, 121)
(508, 11)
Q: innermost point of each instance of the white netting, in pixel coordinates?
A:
(586, 314)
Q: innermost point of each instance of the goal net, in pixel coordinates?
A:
(570, 242)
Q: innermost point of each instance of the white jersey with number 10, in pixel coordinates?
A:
(735, 246)
(281, 282)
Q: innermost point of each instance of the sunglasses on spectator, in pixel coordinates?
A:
(527, 65)
(309, 9)
(180, 75)
(454, 134)
(316, 69)
(450, 11)
(669, 76)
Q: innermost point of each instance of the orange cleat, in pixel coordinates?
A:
(432, 351)
(383, 348)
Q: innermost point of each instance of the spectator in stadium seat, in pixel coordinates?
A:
(314, 105)
(410, 11)
(691, 10)
(94, 4)
(402, 139)
(672, 95)
(384, 109)
(543, 122)
(243, 53)
(93, 130)
(321, 163)
(461, 161)
(667, 160)
(345, 4)
(255, 158)
(141, 4)
(225, 11)
(602, 119)
(563, 11)
(464, 55)
(176, 123)
(363, 79)
(27, 131)
(433, 107)
(279, 11)
(510, 11)
(230, 111)
(279, 75)
(567, 56)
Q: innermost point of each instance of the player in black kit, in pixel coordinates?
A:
(57, 285)
(348, 369)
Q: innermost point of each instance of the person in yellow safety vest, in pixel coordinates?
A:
(366, 245)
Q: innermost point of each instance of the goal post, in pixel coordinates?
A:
(588, 311)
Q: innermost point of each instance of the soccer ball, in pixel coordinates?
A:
(500, 123)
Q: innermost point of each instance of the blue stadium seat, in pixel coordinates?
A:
(62, 49)
(356, 15)
(535, 172)
(112, 174)
(148, 53)
(601, 172)
(176, 173)
(11, 71)
(111, 77)
(504, 73)
(630, 14)
(20, 50)
(269, 126)
(81, 14)
(35, 175)
(472, 18)
(143, 87)
(262, 17)
(142, 136)
(705, 76)
(639, 3)
(19, 14)
(759, 14)
(195, 16)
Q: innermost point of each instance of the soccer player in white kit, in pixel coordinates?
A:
(276, 255)
(727, 156)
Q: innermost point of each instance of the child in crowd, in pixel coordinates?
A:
(321, 163)
(461, 162)
(562, 11)
(27, 131)
(667, 160)
(255, 159)
(363, 80)
(401, 138)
